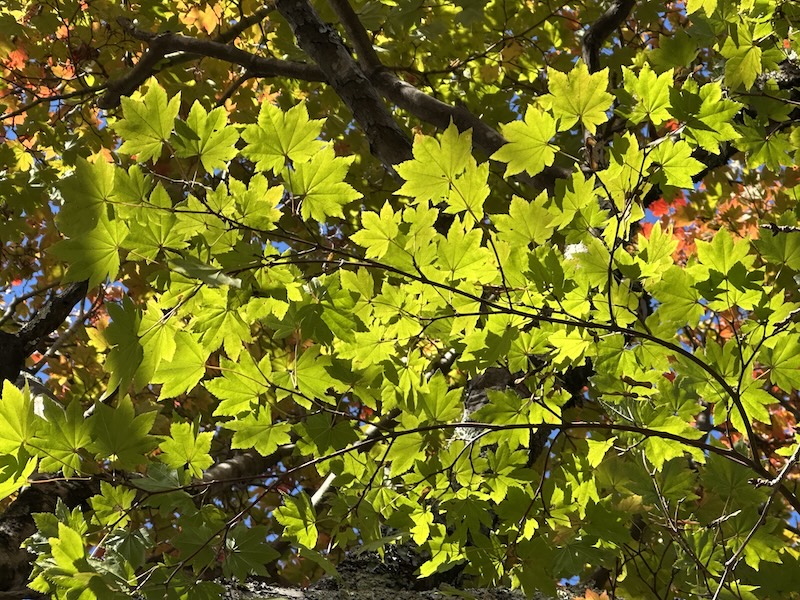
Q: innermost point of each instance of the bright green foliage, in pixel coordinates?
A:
(558, 341)
(436, 165)
(646, 95)
(207, 137)
(187, 447)
(318, 186)
(93, 255)
(744, 58)
(529, 148)
(120, 436)
(18, 423)
(148, 123)
(579, 96)
(281, 137)
(297, 516)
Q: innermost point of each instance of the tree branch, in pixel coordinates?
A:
(357, 35)
(16, 524)
(57, 98)
(241, 467)
(162, 44)
(439, 114)
(16, 347)
(245, 23)
(599, 31)
(324, 46)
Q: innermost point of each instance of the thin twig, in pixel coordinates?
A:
(775, 484)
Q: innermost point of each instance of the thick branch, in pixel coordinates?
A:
(357, 35)
(162, 44)
(430, 110)
(17, 523)
(361, 94)
(16, 347)
(786, 76)
(245, 23)
(241, 467)
(324, 46)
(602, 28)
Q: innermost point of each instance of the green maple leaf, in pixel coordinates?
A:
(677, 167)
(649, 94)
(743, 64)
(506, 408)
(148, 122)
(462, 256)
(320, 185)
(439, 404)
(308, 374)
(677, 49)
(755, 401)
(186, 446)
(93, 255)
(406, 450)
(773, 150)
(526, 222)
(61, 438)
(14, 472)
(660, 450)
(257, 430)
(679, 300)
(570, 345)
(783, 249)
(579, 96)
(297, 515)
(469, 191)
(435, 166)
(112, 504)
(783, 360)
(656, 252)
(281, 138)
(119, 435)
(257, 203)
(709, 6)
(722, 253)
(571, 197)
(708, 116)
(18, 423)
(529, 146)
(247, 551)
(370, 347)
(192, 268)
(319, 436)
(68, 551)
(240, 386)
(86, 194)
(597, 450)
(187, 367)
(627, 171)
(157, 340)
(377, 231)
(218, 323)
(153, 229)
(213, 140)
(126, 353)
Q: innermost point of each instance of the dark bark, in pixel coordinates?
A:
(16, 347)
(16, 524)
(601, 29)
(323, 45)
(161, 44)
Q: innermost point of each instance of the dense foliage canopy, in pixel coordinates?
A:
(512, 283)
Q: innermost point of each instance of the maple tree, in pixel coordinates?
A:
(513, 284)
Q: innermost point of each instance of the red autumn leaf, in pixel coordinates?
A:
(659, 208)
